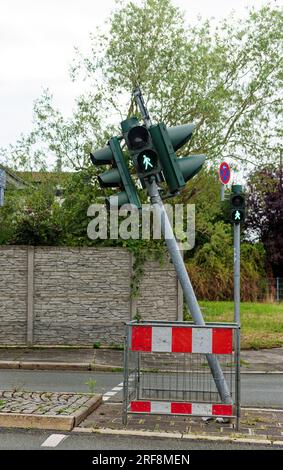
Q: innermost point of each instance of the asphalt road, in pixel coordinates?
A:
(258, 390)
(33, 440)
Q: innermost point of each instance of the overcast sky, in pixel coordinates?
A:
(37, 39)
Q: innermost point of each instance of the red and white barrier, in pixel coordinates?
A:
(182, 408)
(179, 339)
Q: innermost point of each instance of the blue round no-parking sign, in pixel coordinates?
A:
(224, 173)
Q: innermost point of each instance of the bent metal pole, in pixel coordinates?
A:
(184, 279)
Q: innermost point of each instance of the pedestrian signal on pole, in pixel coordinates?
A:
(141, 149)
(153, 152)
(151, 149)
(237, 205)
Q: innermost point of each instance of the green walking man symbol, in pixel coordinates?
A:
(147, 163)
(237, 215)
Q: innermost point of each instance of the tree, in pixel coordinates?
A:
(265, 214)
(210, 263)
(226, 78)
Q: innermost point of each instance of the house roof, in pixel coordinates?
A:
(43, 176)
(23, 179)
(13, 179)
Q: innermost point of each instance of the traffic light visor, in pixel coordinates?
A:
(102, 156)
(117, 200)
(110, 179)
(180, 135)
(190, 166)
(138, 137)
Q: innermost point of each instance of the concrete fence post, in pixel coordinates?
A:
(133, 300)
(30, 295)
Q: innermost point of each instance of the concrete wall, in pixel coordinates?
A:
(78, 296)
(13, 295)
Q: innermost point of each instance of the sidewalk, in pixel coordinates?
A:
(256, 426)
(265, 360)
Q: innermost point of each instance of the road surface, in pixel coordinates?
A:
(258, 390)
(36, 439)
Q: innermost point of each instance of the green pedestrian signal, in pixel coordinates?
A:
(237, 216)
(116, 177)
(147, 161)
(141, 149)
(237, 205)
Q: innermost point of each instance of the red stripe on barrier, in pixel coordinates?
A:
(181, 339)
(141, 338)
(222, 340)
(224, 410)
(181, 408)
(141, 406)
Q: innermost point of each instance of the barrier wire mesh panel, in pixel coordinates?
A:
(158, 380)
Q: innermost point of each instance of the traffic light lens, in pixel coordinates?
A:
(237, 216)
(237, 201)
(138, 137)
(147, 160)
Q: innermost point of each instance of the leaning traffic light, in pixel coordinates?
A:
(237, 205)
(141, 148)
(176, 171)
(117, 177)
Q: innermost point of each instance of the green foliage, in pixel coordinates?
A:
(91, 383)
(210, 263)
(225, 77)
(265, 214)
(34, 216)
(27, 217)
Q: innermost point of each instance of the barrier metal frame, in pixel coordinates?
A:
(132, 378)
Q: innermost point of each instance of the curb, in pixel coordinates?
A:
(29, 421)
(58, 366)
(83, 366)
(51, 421)
(125, 432)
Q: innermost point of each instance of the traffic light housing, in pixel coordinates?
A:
(141, 148)
(237, 204)
(176, 171)
(152, 149)
(117, 177)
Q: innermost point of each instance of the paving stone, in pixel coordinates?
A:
(45, 410)
(254, 424)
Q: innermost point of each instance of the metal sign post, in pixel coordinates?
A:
(237, 320)
(237, 254)
(2, 186)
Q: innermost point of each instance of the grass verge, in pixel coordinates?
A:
(261, 323)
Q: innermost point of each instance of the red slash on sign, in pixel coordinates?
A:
(224, 173)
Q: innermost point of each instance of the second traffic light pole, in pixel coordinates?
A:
(184, 279)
